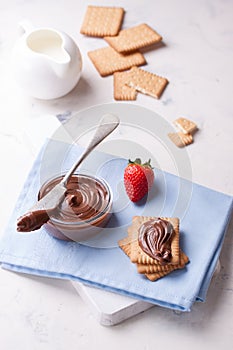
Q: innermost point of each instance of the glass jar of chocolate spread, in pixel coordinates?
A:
(84, 211)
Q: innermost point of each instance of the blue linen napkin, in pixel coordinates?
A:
(99, 262)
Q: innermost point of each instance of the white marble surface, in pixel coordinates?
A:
(197, 55)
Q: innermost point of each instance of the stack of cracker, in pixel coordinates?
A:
(123, 52)
(151, 267)
(185, 135)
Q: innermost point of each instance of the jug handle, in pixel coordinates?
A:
(25, 26)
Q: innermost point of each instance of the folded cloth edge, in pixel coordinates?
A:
(42, 273)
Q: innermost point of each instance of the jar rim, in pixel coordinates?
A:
(90, 221)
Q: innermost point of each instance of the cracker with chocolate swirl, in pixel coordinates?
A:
(140, 255)
(155, 254)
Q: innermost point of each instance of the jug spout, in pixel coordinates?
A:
(61, 69)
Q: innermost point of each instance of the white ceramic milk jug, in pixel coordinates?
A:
(47, 63)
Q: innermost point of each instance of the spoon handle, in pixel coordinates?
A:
(107, 124)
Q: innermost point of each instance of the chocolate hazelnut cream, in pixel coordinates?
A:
(85, 199)
(155, 238)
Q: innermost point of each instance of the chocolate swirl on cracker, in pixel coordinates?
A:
(155, 238)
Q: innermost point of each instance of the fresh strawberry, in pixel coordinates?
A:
(138, 179)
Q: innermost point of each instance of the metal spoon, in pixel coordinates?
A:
(29, 221)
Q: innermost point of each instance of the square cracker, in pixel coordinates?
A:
(100, 21)
(155, 276)
(134, 38)
(138, 256)
(150, 270)
(107, 61)
(121, 90)
(125, 245)
(146, 82)
(180, 139)
(186, 126)
(144, 268)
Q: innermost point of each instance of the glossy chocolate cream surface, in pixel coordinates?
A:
(86, 199)
(155, 239)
